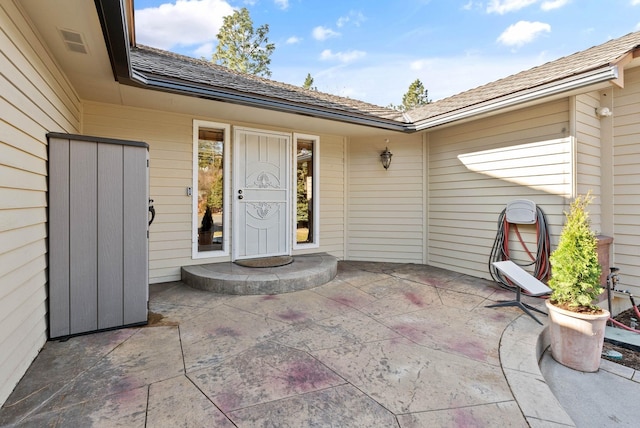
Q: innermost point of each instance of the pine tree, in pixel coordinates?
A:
(575, 271)
(241, 48)
(308, 83)
(416, 96)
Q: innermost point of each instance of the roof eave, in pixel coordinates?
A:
(593, 77)
(113, 19)
(161, 83)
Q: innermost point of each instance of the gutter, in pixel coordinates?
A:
(111, 14)
(599, 75)
(253, 100)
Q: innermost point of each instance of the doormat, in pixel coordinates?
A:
(265, 262)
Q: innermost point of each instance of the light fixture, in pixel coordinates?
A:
(603, 112)
(385, 157)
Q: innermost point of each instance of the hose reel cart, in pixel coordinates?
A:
(523, 212)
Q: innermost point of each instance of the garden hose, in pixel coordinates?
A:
(500, 249)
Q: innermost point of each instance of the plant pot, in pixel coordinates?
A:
(576, 339)
(205, 238)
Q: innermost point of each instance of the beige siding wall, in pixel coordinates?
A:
(36, 99)
(170, 140)
(626, 120)
(589, 154)
(475, 169)
(385, 218)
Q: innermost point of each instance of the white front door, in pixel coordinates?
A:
(261, 194)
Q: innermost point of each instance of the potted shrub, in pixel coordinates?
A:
(576, 323)
(205, 234)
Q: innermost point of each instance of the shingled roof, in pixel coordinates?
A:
(203, 78)
(597, 57)
(201, 74)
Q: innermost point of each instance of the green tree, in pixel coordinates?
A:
(243, 48)
(308, 83)
(575, 271)
(416, 96)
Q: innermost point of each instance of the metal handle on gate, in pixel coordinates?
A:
(152, 210)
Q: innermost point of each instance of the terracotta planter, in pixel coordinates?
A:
(205, 238)
(576, 339)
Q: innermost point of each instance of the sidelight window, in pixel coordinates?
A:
(209, 189)
(306, 195)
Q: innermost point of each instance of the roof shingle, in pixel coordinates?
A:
(200, 72)
(194, 72)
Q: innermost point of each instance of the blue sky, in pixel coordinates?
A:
(372, 50)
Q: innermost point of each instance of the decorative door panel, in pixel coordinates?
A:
(261, 194)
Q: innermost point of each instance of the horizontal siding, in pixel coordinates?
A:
(332, 189)
(170, 173)
(475, 169)
(36, 99)
(169, 136)
(626, 159)
(385, 220)
(589, 153)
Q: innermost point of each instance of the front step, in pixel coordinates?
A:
(306, 271)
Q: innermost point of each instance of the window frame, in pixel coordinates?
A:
(315, 192)
(226, 165)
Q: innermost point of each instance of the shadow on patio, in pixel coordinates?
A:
(397, 345)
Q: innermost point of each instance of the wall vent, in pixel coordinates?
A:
(74, 41)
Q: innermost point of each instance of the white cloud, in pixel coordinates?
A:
(553, 4)
(635, 2)
(282, 4)
(471, 5)
(354, 17)
(185, 23)
(523, 32)
(323, 33)
(504, 6)
(293, 40)
(205, 51)
(344, 57)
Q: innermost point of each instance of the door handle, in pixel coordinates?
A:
(240, 197)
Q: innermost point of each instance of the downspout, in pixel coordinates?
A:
(345, 197)
(607, 180)
(574, 147)
(425, 197)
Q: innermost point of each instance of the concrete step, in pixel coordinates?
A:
(306, 271)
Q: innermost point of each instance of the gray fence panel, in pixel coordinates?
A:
(98, 241)
(110, 235)
(83, 237)
(59, 237)
(136, 200)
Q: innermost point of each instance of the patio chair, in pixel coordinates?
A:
(523, 280)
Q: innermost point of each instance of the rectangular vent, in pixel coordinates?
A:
(74, 41)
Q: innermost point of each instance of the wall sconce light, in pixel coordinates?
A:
(603, 112)
(385, 157)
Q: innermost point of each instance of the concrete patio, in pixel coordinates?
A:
(381, 345)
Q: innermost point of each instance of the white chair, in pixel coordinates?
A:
(523, 280)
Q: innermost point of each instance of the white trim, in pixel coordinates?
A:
(195, 254)
(569, 84)
(315, 191)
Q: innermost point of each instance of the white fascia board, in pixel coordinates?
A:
(569, 84)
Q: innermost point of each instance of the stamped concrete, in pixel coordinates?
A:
(380, 345)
